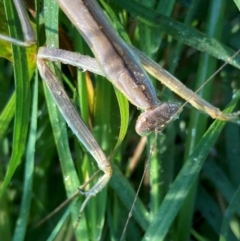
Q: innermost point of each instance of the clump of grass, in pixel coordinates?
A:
(191, 189)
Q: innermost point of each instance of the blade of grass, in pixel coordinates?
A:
(7, 115)
(124, 117)
(22, 221)
(6, 52)
(237, 2)
(60, 224)
(22, 109)
(21, 225)
(58, 124)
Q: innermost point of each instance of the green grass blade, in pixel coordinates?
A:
(60, 224)
(22, 109)
(6, 116)
(124, 117)
(21, 225)
(58, 123)
(237, 2)
(107, 116)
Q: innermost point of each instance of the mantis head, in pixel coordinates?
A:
(156, 119)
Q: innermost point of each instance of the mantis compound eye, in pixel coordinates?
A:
(157, 118)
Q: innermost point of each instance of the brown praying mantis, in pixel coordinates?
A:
(124, 70)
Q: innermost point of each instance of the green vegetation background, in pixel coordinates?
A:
(191, 189)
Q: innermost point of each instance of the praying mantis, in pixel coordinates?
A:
(227, 116)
